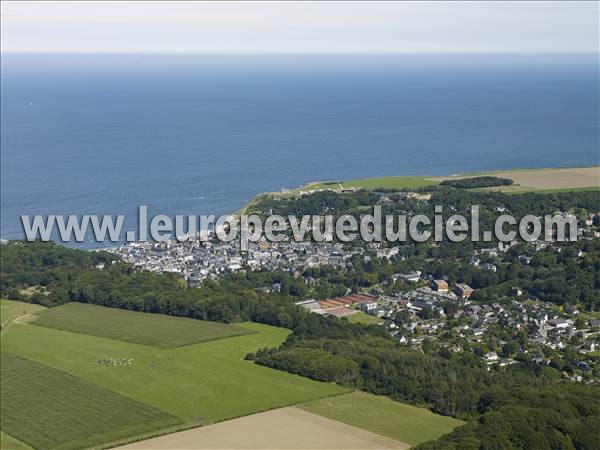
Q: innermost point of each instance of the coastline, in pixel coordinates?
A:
(571, 180)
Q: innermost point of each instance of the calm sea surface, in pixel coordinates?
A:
(202, 135)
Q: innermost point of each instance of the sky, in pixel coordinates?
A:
(299, 27)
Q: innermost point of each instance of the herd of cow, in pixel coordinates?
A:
(115, 362)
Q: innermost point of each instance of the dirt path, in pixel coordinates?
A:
(282, 429)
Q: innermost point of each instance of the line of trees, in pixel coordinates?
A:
(477, 182)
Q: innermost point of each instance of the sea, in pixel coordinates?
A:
(102, 134)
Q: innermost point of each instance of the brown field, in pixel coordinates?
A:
(283, 429)
(534, 179)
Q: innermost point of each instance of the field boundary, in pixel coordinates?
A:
(191, 425)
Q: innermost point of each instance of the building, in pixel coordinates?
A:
(440, 285)
(411, 277)
(310, 304)
(368, 306)
(463, 290)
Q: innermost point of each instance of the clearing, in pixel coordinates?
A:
(286, 428)
(384, 416)
(140, 328)
(48, 408)
(199, 383)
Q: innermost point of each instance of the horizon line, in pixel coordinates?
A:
(383, 53)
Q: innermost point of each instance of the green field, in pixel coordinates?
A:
(383, 416)
(200, 383)
(140, 328)
(361, 317)
(8, 442)
(48, 408)
(10, 310)
(395, 182)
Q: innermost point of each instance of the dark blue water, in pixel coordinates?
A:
(200, 135)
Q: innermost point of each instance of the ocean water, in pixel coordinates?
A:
(202, 135)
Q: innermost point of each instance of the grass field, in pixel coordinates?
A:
(8, 442)
(140, 328)
(383, 416)
(10, 310)
(50, 409)
(396, 182)
(200, 383)
(361, 317)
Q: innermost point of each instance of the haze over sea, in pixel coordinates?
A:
(204, 134)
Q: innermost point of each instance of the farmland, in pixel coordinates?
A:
(139, 328)
(48, 408)
(47, 371)
(199, 383)
(383, 416)
(284, 428)
(543, 180)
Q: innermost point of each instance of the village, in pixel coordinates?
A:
(429, 313)
(450, 321)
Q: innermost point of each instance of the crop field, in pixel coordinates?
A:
(48, 408)
(285, 428)
(543, 180)
(11, 310)
(383, 416)
(139, 328)
(200, 383)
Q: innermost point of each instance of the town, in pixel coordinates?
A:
(421, 310)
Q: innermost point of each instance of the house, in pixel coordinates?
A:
(491, 356)
(524, 259)
(559, 323)
(400, 338)
(515, 291)
(440, 285)
(594, 323)
(589, 346)
(411, 277)
(463, 290)
(488, 266)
